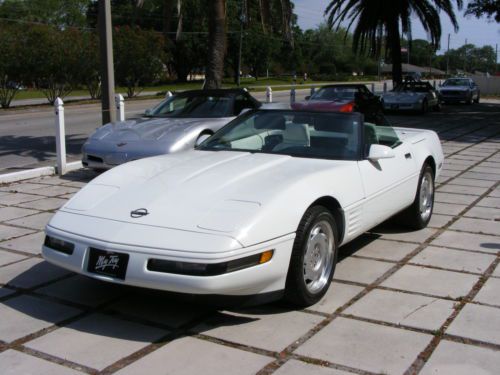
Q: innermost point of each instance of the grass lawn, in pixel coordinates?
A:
(250, 83)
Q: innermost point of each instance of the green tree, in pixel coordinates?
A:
(376, 20)
(11, 71)
(138, 57)
(488, 8)
(59, 13)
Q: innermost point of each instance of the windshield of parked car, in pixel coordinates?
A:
(197, 106)
(334, 93)
(413, 87)
(301, 134)
(456, 82)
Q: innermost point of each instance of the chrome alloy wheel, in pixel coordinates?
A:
(426, 198)
(318, 256)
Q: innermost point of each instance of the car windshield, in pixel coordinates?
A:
(320, 135)
(197, 106)
(413, 87)
(334, 93)
(456, 82)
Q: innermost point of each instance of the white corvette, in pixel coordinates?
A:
(257, 210)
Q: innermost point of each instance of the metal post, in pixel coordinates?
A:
(434, 84)
(107, 72)
(120, 107)
(373, 88)
(60, 136)
(312, 90)
(292, 95)
(269, 94)
(385, 87)
(448, 57)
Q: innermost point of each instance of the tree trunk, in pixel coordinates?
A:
(216, 43)
(394, 41)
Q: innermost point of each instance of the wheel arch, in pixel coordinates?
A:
(335, 208)
(430, 161)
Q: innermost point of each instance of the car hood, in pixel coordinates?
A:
(454, 88)
(250, 197)
(151, 129)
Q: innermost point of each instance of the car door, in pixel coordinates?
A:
(389, 184)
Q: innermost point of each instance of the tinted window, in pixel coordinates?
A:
(335, 93)
(197, 106)
(456, 82)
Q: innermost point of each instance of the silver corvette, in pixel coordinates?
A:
(175, 124)
(411, 96)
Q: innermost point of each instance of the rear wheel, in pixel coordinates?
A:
(418, 215)
(314, 256)
(477, 98)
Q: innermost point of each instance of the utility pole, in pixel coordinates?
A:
(107, 70)
(448, 57)
(242, 21)
(496, 57)
(465, 54)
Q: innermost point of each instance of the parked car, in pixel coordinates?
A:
(353, 97)
(173, 125)
(455, 90)
(411, 96)
(258, 210)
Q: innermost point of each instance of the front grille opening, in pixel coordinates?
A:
(210, 269)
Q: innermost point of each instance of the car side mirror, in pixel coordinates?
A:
(307, 97)
(148, 112)
(201, 139)
(378, 152)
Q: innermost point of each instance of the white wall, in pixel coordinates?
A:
(487, 85)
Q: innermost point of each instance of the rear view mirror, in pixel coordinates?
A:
(378, 152)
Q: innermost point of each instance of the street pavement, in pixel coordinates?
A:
(27, 136)
(423, 302)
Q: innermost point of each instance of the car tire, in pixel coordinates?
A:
(469, 100)
(437, 107)
(314, 256)
(418, 215)
(478, 98)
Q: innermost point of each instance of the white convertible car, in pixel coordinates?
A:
(259, 209)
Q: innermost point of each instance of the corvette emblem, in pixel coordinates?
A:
(121, 144)
(139, 213)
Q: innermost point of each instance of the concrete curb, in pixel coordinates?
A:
(36, 172)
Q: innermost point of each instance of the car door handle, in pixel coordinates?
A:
(408, 156)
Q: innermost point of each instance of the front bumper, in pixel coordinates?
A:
(455, 96)
(259, 279)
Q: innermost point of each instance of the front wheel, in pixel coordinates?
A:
(425, 107)
(418, 215)
(313, 259)
(478, 98)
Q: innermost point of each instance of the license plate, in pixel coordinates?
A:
(108, 263)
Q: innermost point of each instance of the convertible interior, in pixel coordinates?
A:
(329, 136)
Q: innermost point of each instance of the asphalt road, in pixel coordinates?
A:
(27, 136)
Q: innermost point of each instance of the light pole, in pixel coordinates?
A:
(107, 70)
(242, 21)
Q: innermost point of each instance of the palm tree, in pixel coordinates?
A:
(217, 34)
(379, 19)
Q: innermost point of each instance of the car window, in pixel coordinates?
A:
(301, 134)
(456, 82)
(195, 106)
(335, 93)
(242, 102)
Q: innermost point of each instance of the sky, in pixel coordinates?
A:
(477, 31)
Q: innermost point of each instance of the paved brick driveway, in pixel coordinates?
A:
(421, 302)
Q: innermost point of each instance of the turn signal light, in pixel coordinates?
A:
(349, 107)
(266, 256)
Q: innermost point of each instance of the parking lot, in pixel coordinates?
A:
(401, 302)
